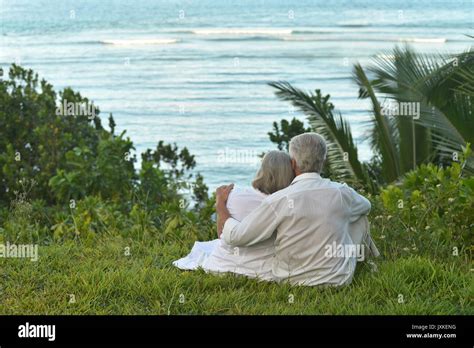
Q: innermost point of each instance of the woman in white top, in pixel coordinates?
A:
(254, 261)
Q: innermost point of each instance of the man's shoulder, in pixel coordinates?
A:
(337, 185)
(276, 196)
(297, 189)
(344, 190)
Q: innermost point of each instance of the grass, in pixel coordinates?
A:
(104, 280)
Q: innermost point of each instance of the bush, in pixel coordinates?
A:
(81, 179)
(431, 211)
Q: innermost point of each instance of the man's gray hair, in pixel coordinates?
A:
(309, 152)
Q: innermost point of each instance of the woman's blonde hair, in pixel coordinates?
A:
(275, 172)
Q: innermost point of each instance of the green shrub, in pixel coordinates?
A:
(84, 182)
(430, 211)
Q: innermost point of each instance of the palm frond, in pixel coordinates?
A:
(383, 141)
(342, 151)
(442, 86)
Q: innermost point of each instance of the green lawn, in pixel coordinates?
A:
(104, 280)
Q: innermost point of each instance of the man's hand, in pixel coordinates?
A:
(222, 194)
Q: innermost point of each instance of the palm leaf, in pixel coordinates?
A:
(443, 90)
(342, 151)
(384, 142)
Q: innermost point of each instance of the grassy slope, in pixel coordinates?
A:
(105, 281)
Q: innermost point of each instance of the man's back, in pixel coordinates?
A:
(311, 219)
(317, 215)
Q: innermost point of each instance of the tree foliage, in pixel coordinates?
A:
(68, 158)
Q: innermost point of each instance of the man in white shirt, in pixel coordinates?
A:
(310, 219)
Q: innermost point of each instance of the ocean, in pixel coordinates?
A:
(196, 72)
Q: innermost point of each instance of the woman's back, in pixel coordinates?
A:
(242, 201)
(274, 174)
(253, 261)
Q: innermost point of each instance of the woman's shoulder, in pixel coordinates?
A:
(242, 200)
(246, 192)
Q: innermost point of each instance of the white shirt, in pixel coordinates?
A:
(254, 261)
(304, 218)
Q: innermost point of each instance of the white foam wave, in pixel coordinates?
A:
(424, 40)
(354, 24)
(363, 39)
(243, 31)
(139, 42)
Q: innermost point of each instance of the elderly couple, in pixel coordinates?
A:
(292, 225)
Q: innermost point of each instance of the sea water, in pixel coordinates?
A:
(196, 72)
